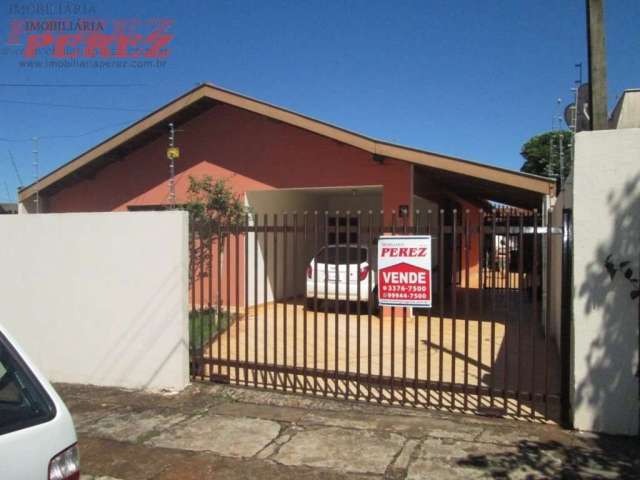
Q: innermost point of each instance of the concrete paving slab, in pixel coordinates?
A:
(267, 451)
(85, 419)
(345, 450)
(250, 395)
(452, 459)
(429, 427)
(347, 420)
(507, 436)
(113, 460)
(212, 467)
(123, 460)
(267, 412)
(427, 470)
(127, 425)
(411, 427)
(227, 436)
(317, 438)
(402, 461)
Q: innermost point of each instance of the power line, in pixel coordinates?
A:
(36, 173)
(48, 137)
(77, 107)
(15, 168)
(51, 137)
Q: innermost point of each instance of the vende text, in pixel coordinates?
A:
(404, 277)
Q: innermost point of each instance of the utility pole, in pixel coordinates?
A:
(572, 114)
(173, 153)
(561, 152)
(550, 162)
(36, 174)
(574, 126)
(597, 65)
(560, 141)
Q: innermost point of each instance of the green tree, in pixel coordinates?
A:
(542, 154)
(215, 212)
(213, 206)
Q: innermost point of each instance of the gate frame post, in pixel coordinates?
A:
(566, 321)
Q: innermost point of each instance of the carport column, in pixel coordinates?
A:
(397, 191)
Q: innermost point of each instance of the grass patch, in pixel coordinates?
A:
(206, 324)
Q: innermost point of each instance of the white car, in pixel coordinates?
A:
(37, 436)
(335, 261)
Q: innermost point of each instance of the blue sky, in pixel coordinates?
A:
(466, 78)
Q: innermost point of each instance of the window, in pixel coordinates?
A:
(341, 253)
(23, 401)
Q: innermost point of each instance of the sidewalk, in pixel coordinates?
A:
(212, 431)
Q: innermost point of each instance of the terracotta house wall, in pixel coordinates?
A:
(253, 153)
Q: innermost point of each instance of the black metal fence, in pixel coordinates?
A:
(289, 301)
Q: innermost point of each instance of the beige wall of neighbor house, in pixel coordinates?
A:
(626, 113)
(99, 298)
(606, 222)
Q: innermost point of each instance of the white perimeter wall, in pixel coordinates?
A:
(606, 221)
(99, 298)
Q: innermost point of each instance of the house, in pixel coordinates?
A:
(279, 161)
(626, 113)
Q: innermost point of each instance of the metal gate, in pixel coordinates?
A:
(288, 301)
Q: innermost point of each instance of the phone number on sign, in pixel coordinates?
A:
(404, 296)
(404, 288)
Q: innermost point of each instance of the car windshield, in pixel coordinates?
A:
(23, 402)
(342, 255)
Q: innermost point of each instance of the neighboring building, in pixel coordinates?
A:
(8, 208)
(626, 113)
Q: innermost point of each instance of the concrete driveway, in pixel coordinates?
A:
(427, 348)
(210, 432)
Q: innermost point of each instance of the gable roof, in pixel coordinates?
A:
(202, 96)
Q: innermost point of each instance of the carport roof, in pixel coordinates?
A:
(204, 96)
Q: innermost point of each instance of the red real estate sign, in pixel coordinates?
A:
(404, 271)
